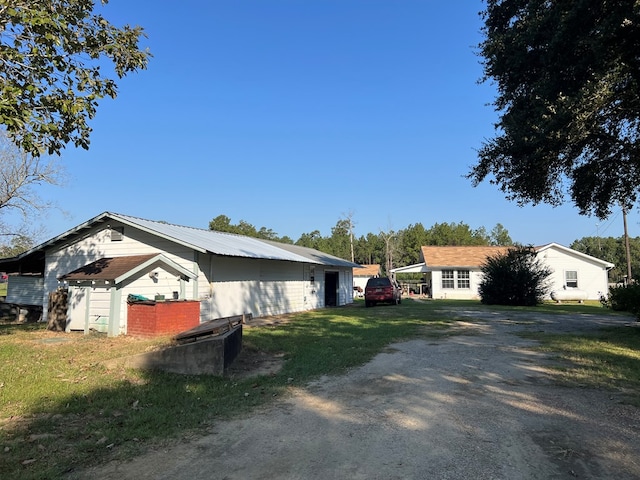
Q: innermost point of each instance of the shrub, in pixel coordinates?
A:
(624, 298)
(514, 278)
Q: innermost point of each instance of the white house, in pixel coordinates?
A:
(363, 273)
(111, 256)
(454, 272)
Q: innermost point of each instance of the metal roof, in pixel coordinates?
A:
(208, 241)
(313, 256)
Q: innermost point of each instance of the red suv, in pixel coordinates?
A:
(382, 289)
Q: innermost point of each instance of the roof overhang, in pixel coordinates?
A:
(118, 269)
(416, 268)
(159, 260)
(571, 251)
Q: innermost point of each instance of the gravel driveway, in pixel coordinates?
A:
(478, 405)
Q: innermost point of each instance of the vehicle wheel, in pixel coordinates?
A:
(367, 303)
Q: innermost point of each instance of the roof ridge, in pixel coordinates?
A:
(162, 222)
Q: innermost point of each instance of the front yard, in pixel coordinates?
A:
(61, 409)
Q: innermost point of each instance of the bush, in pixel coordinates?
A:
(624, 298)
(514, 278)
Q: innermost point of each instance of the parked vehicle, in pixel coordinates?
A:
(382, 289)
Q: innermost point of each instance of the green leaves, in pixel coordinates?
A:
(569, 100)
(50, 56)
(514, 278)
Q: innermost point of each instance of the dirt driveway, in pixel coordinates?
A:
(479, 405)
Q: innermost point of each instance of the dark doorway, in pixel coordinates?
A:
(331, 289)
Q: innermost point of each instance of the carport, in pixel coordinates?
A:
(420, 287)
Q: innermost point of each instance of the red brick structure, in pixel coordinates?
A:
(148, 319)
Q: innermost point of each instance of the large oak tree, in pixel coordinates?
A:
(567, 74)
(53, 56)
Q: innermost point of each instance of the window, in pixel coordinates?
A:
(463, 279)
(571, 278)
(460, 279)
(447, 279)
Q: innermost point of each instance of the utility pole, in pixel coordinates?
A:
(626, 245)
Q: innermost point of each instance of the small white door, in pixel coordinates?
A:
(77, 304)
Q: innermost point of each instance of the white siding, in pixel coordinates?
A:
(592, 276)
(97, 244)
(345, 289)
(259, 287)
(225, 286)
(471, 293)
(229, 286)
(25, 290)
(88, 307)
(360, 281)
(281, 287)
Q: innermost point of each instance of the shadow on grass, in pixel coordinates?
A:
(10, 328)
(606, 358)
(114, 414)
(108, 415)
(116, 421)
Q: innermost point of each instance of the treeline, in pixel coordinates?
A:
(612, 250)
(399, 248)
(390, 249)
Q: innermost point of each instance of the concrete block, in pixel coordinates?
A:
(209, 356)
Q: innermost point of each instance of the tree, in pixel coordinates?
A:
(369, 250)
(449, 234)
(351, 225)
(500, 236)
(221, 223)
(268, 234)
(391, 241)
(568, 81)
(246, 229)
(611, 250)
(20, 175)
(311, 240)
(514, 278)
(412, 239)
(339, 243)
(17, 245)
(51, 55)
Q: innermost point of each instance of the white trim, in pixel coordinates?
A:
(416, 268)
(571, 251)
(160, 258)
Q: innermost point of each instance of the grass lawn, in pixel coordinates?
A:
(61, 409)
(607, 359)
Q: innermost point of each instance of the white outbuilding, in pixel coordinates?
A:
(103, 263)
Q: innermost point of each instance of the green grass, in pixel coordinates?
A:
(3, 289)
(608, 359)
(61, 409)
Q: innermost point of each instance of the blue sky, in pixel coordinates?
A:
(293, 114)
